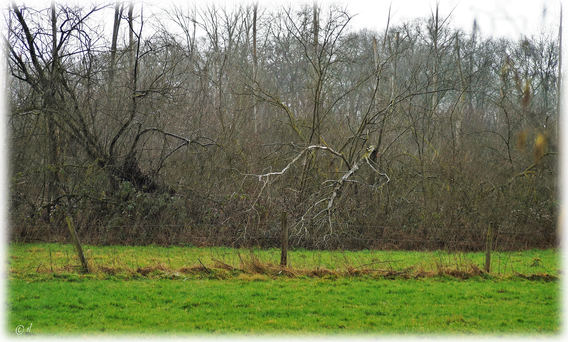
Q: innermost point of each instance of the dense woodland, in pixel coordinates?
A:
(202, 124)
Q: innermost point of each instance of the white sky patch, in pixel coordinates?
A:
(497, 18)
(502, 18)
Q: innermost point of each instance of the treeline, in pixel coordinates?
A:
(202, 124)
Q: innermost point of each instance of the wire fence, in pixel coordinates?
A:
(340, 236)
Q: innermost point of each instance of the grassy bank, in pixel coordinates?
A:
(297, 306)
(196, 291)
(39, 261)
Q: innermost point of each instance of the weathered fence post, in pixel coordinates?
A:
(284, 240)
(77, 244)
(488, 250)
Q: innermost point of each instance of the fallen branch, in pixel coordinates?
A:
(312, 147)
(355, 167)
(325, 203)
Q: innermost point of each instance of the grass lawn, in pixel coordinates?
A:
(201, 291)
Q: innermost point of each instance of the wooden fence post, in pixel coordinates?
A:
(284, 240)
(488, 250)
(77, 244)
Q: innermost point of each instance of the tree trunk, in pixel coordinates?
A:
(50, 109)
(254, 64)
(117, 17)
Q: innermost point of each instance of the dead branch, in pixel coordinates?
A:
(284, 170)
(325, 215)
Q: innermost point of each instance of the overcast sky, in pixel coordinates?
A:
(500, 18)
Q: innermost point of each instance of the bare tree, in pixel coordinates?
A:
(220, 117)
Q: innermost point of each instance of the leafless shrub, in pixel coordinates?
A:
(417, 137)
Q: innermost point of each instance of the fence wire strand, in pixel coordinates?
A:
(350, 236)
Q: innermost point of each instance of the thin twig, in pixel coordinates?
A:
(378, 262)
(205, 267)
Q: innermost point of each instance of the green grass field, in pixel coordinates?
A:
(203, 291)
